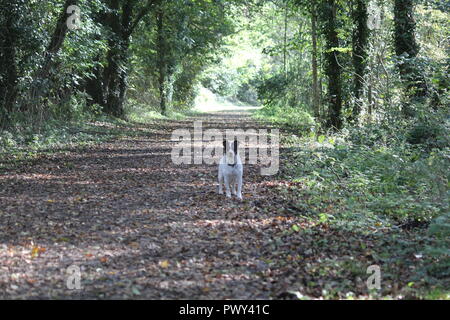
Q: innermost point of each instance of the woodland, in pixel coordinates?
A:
(90, 91)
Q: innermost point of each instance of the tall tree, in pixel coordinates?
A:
(407, 48)
(333, 68)
(286, 10)
(163, 63)
(40, 87)
(315, 84)
(9, 15)
(186, 35)
(360, 42)
(120, 21)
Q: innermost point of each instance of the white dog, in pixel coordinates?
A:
(231, 170)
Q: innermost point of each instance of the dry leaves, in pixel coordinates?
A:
(139, 226)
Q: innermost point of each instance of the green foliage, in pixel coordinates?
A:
(371, 180)
(23, 142)
(236, 68)
(440, 248)
(300, 121)
(388, 88)
(176, 53)
(376, 172)
(273, 90)
(233, 83)
(432, 135)
(440, 228)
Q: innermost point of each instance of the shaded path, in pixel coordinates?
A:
(139, 226)
(136, 224)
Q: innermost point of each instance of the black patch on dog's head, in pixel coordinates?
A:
(235, 146)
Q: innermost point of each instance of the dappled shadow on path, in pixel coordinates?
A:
(139, 226)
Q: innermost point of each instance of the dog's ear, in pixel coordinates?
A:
(235, 146)
(224, 146)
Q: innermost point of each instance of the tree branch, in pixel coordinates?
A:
(141, 15)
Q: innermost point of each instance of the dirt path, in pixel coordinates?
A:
(137, 225)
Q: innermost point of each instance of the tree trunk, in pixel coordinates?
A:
(122, 21)
(360, 42)
(116, 79)
(39, 87)
(162, 61)
(315, 84)
(8, 74)
(116, 73)
(285, 41)
(370, 102)
(94, 86)
(111, 77)
(333, 69)
(407, 47)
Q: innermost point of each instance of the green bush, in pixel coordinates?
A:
(440, 248)
(301, 121)
(432, 135)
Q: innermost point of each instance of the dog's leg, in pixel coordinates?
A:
(220, 182)
(233, 186)
(239, 188)
(227, 186)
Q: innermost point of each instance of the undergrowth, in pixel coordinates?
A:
(25, 139)
(390, 179)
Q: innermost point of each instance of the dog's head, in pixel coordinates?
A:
(231, 151)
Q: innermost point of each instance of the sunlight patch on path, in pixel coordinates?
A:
(207, 102)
